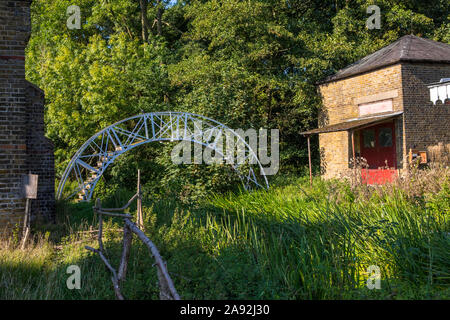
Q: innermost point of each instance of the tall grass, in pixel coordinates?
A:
(292, 242)
(335, 243)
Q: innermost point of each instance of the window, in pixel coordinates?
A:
(369, 138)
(385, 137)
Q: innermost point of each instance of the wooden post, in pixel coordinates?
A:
(26, 224)
(29, 191)
(140, 218)
(309, 159)
(354, 156)
(353, 149)
(127, 240)
(167, 288)
(98, 209)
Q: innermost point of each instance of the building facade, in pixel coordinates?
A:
(23, 147)
(379, 109)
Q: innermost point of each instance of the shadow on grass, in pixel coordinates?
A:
(216, 253)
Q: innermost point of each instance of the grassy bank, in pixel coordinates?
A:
(293, 242)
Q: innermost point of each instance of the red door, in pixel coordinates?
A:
(377, 146)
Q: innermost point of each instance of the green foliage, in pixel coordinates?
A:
(245, 63)
(294, 242)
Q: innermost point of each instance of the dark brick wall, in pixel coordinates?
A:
(23, 147)
(40, 158)
(425, 124)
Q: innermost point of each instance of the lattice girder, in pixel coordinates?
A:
(93, 158)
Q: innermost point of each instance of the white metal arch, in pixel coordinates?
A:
(97, 153)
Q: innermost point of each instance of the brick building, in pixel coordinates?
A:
(379, 108)
(23, 146)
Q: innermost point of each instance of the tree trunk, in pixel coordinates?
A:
(144, 21)
(159, 18)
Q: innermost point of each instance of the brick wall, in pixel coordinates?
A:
(340, 102)
(40, 158)
(23, 147)
(422, 125)
(425, 124)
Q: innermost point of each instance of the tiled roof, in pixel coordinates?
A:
(406, 49)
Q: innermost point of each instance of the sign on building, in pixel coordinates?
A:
(29, 186)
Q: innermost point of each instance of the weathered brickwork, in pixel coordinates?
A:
(340, 102)
(23, 147)
(425, 124)
(422, 124)
(40, 158)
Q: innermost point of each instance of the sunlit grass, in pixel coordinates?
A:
(292, 242)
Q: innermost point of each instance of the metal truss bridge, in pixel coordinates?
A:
(93, 158)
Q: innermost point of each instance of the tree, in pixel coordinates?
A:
(248, 64)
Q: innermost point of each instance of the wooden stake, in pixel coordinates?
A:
(309, 159)
(127, 240)
(353, 145)
(98, 207)
(165, 281)
(167, 288)
(114, 279)
(140, 218)
(26, 224)
(353, 153)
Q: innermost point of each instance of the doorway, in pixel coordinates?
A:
(378, 147)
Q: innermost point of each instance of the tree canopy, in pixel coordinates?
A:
(252, 63)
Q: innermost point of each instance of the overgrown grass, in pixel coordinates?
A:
(293, 242)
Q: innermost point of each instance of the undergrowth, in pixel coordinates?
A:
(292, 242)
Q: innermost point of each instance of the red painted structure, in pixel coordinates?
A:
(377, 146)
(378, 176)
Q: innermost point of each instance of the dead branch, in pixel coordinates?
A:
(121, 215)
(163, 275)
(114, 278)
(127, 240)
(140, 217)
(167, 288)
(124, 207)
(100, 224)
(171, 26)
(95, 231)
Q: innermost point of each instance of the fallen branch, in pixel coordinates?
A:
(127, 240)
(114, 278)
(166, 284)
(95, 231)
(120, 215)
(124, 207)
